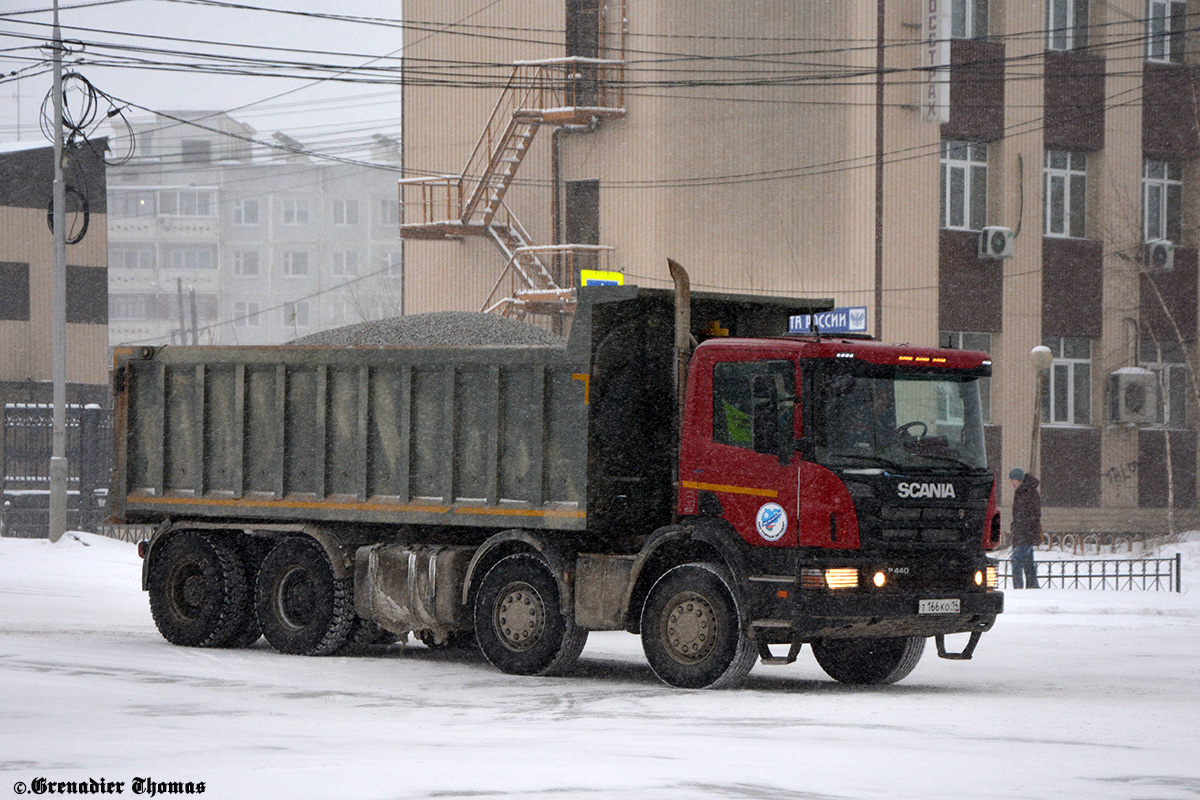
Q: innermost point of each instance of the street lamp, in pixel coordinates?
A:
(1041, 358)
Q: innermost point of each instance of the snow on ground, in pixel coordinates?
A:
(1074, 694)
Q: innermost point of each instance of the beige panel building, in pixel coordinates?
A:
(987, 174)
(27, 274)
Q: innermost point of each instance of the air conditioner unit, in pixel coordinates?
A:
(1133, 396)
(996, 242)
(1160, 256)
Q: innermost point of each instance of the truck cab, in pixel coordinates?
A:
(853, 471)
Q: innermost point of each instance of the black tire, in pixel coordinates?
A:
(198, 591)
(693, 632)
(519, 623)
(302, 608)
(250, 555)
(869, 661)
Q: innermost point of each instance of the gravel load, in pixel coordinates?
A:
(440, 328)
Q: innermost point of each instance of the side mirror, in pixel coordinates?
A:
(765, 420)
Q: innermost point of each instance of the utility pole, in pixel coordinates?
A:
(58, 459)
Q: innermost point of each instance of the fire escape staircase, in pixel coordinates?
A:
(563, 91)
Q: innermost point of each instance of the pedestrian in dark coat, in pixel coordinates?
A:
(1026, 527)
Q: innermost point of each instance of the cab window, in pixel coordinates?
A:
(733, 404)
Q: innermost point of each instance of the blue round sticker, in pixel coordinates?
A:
(771, 521)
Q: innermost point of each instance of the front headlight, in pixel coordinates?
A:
(841, 577)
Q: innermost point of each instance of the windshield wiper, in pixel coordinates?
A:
(886, 462)
(951, 459)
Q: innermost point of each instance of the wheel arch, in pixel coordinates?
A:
(712, 540)
(513, 541)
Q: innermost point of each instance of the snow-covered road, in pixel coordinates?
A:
(1074, 694)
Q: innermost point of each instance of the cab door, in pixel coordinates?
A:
(755, 491)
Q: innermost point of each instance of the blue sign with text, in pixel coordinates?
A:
(850, 319)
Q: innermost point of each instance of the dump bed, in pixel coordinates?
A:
(570, 438)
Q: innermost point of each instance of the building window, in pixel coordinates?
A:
(389, 212)
(1162, 201)
(964, 185)
(295, 315)
(295, 263)
(187, 203)
(245, 212)
(295, 212)
(1164, 31)
(1067, 391)
(972, 341)
(345, 263)
(131, 257)
(345, 212)
(1168, 363)
(1066, 24)
(126, 205)
(1065, 198)
(968, 19)
(191, 258)
(129, 306)
(245, 315)
(392, 264)
(196, 151)
(335, 310)
(245, 263)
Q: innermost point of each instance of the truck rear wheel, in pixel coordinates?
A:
(869, 661)
(250, 556)
(198, 592)
(519, 621)
(692, 631)
(302, 608)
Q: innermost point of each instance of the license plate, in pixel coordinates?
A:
(948, 606)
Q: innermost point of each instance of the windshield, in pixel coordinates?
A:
(908, 421)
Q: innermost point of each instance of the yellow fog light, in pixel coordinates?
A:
(841, 578)
(979, 577)
(880, 579)
(991, 577)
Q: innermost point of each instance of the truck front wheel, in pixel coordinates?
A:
(198, 592)
(302, 608)
(692, 632)
(869, 661)
(519, 621)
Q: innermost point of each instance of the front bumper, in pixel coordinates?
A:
(806, 615)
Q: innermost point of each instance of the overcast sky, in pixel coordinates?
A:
(120, 35)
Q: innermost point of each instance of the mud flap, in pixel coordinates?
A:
(967, 651)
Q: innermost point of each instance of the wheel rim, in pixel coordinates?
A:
(689, 627)
(295, 598)
(519, 616)
(189, 591)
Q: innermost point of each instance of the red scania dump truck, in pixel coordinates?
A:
(682, 469)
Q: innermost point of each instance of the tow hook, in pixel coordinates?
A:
(965, 655)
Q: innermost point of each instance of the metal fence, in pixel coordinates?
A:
(26, 444)
(1118, 574)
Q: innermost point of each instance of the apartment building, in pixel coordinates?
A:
(985, 174)
(217, 239)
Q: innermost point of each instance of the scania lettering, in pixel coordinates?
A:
(926, 490)
(682, 469)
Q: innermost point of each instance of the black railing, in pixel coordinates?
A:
(1117, 574)
(26, 444)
